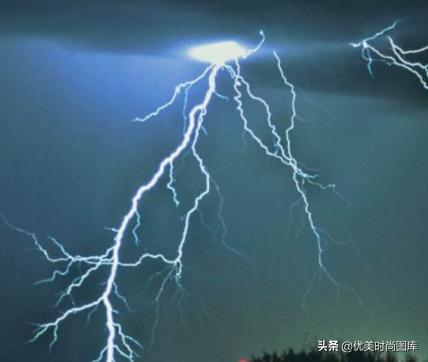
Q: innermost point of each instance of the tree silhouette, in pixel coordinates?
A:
(316, 356)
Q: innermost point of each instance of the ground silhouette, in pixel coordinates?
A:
(315, 356)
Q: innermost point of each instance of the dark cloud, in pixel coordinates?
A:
(313, 35)
(146, 26)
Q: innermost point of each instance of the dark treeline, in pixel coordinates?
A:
(315, 356)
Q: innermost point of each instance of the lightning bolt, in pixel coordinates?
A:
(397, 56)
(118, 343)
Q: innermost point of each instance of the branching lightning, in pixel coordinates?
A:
(119, 344)
(399, 57)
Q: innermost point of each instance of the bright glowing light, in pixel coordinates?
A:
(218, 53)
(396, 57)
(78, 270)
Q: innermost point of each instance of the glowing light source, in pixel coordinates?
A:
(397, 57)
(119, 344)
(218, 53)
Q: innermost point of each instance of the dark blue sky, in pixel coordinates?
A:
(73, 75)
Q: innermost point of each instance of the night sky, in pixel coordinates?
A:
(72, 77)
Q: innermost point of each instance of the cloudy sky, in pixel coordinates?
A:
(72, 77)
